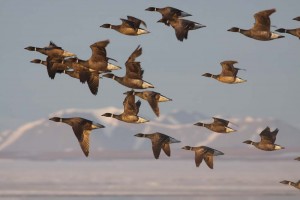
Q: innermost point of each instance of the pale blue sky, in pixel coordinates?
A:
(173, 67)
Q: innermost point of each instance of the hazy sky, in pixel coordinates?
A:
(173, 67)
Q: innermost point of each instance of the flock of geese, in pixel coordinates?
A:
(61, 61)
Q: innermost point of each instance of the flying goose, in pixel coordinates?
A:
(228, 74)
(131, 110)
(206, 153)
(134, 73)
(54, 54)
(129, 26)
(261, 29)
(159, 141)
(267, 140)
(169, 13)
(153, 99)
(182, 27)
(218, 125)
(82, 129)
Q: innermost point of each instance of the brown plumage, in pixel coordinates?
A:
(82, 129)
(54, 53)
(219, 126)
(159, 141)
(267, 140)
(203, 152)
(169, 13)
(261, 28)
(153, 98)
(98, 61)
(182, 27)
(134, 73)
(57, 67)
(92, 79)
(228, 74)
(131, 110)
(129, 26)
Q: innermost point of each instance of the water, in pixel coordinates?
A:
(148, 179)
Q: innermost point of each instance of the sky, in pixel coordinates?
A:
(173, 67)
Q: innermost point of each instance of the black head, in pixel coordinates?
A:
(109, 75)
(151, 9)
(207, 75)
(30, 48)
(107, 115)
(198, 124)
(106, 26)
(285, 182)
(248, 142)
(186, 147)
(297, 18)
(139, 135)
(38, 61)
(234, 29)
(55, 119)
(281, 30)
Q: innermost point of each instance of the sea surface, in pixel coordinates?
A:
(148, 179)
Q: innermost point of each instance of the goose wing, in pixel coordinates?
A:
(137, 22)
(133, 68)
(153, 102)
(93, 83)
(220, 121)
(99, 52)
(208, 158)
(128, 24)
(228, 69)
(199, 155)
(130, 107)
(262, 20)
(267, 136)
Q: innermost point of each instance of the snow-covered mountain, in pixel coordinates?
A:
(45, 139)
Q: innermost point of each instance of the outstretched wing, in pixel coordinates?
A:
(199, 155)
(137, 22)
(99, 52)
(130, 107)
(221, 121)
(85, 142)
(267, 137)
(262, 20)
(208, 158)
(133, 68)
(228, 69)
(93, 82)
(153, 102)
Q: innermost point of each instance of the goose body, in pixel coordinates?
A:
(261, 28)
(153, 98)
(204, 153)
(169, 13)
(54, 55)
(131, 110)
(129, 26)
(218, 125)
(228, 74)
(267, 140)
(82, 129)
(159, 141)
(134, 73)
